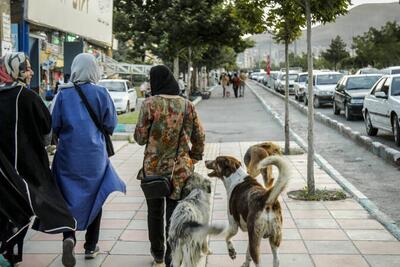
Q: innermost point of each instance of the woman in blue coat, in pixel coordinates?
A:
(81, 165)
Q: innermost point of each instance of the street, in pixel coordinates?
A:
(378, 180)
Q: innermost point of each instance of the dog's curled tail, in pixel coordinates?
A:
(195, 228)
(283, 178)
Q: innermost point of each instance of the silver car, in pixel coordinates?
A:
(300, 86)
(324, 84)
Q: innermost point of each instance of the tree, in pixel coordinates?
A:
(378, 48)
(285, 23)
(336, 52)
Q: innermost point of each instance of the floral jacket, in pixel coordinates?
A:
(159, 124)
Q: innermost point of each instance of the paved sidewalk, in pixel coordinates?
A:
(330, 234)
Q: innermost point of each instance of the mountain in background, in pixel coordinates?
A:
(357, 21)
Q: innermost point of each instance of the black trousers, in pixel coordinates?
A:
(235, 90)
(92, 234)
(155, 222)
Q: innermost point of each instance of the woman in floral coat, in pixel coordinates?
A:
(160, 120)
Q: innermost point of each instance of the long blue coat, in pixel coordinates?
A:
(81, 165)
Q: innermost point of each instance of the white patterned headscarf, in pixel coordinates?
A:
(13, 67)
(85, 69)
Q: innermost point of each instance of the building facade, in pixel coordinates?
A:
(5, 27)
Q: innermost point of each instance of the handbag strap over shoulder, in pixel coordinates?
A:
(89, 109)
(179, 140)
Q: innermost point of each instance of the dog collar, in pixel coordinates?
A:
(234, 180)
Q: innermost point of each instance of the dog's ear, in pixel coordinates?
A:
(228, 165)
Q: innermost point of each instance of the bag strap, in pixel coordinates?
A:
(179, 141)
(89, 109)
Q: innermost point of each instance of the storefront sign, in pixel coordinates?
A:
(6, 27)
(87, 18)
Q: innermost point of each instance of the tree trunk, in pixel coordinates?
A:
(287, 137)
(189, 81)
(310, 150)
(176, 67)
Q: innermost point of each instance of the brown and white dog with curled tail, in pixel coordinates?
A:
(252, 207)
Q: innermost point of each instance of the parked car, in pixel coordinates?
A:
(368, 71)
(300, 86)
(324, 83)
(261, 77)
(254, 75)
(382, 107)
(122, 93)
(350, 93)
(270, 80)
(281, 81)
(391, 70)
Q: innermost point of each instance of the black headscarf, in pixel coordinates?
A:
(162, 81)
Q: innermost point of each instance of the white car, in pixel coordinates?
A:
(122, 93)
(382, 107)
(324, 84)
(281, 82)
(391, 70)
(300, 86)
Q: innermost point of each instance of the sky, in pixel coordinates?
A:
(358, 2)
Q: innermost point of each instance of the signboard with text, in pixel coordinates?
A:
(87, 18)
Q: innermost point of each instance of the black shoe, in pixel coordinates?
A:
(68, 255)
(91, 254)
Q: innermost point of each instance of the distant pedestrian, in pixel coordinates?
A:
(243, 78)
(27, 186)
(224, 80)
(81, 165)
(235, 84)
(161, 119)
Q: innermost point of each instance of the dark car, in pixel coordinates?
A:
(350, 93)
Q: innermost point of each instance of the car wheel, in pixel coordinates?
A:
(336, 110)
(396, 130)
(128, 107)
(305, 101)
(296, 97)
(317, 103)
(347, 114)
(371, 131)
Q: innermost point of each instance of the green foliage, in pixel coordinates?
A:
(336, 52)
(320, 195)
(128, 118)
(378, 48)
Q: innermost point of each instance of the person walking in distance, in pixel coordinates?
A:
(81, 165)
(235, 84)
(170, 128)
(243, 78)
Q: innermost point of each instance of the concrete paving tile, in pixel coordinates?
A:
(37, 260)
(123, 215)
(286, 247)
(122, 206)
(137, 225)
(39, 236)
(350, 214)
(339, 261)
(378, 247)
(286, 260)
(311, 214)
(81, 262)
(134, 193)
(359, 224)
(105, 234)
(316, 224)
(303, 205)
(383, 260)
(135, 235)
(323, 234)
(114, 224)
(105, 246)
(42, 247)
(348, 204)
(331, 247)
(141, 215)
(128, 200)
(381, 235)
(288, 223)
(127, 260)
(131, 248)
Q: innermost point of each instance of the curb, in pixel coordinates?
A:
(363, 200)
(385, 152)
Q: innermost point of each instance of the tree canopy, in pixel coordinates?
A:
(336, 52)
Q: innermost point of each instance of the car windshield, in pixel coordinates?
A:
(113, 86)
(396, 86)
(302, 78)
(363, 82)
(292, 77)
(326, 79)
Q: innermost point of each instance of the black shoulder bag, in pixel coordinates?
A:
(157, 186)
(107, 137)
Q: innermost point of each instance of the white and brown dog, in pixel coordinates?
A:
(252, 207)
